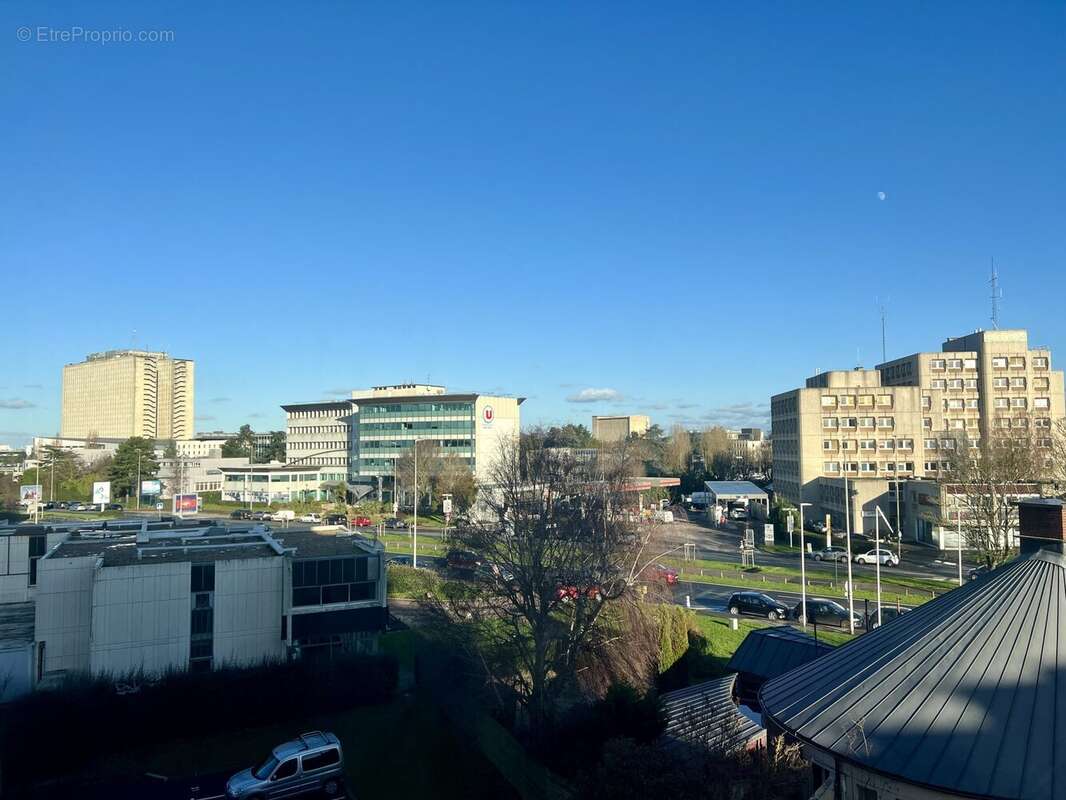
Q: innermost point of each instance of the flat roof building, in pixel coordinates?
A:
(124, 393)
(111, 603)
(619, 428)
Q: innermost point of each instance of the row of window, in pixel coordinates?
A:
(334, 580)
(868, 466)
(956, 383)
(408, 444)
(413, 409)
(847, 445)
(307, 429)
(953, 363)
(857, 401)
(457, 425)
(851, 423)
(316, 413)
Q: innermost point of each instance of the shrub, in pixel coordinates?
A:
(674, 623)
(410, 582)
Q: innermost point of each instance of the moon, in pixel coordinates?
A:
(881, 195)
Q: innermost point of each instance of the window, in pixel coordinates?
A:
(939, 383)
(937, 363)
(829, 445)
(828, 401)
(886, 422)
(1003, 422)
(927, 402)
(955, 383)
(999, 362)
(831, 466)
(1039, 402)
(954, 363)
(927, 423)
(956, 424)
(866, 401)
(867, 422)
(203, 578)
(972, 402)
(37, 545)
(288, 769)
(1000, 383)
(867, 466)
(829, 422)
(970, 383)
(1017, 383)
(884, 401)
(848, 422)
(954, 403)
(1042, 422)
(947, 444)
(848, 445)
(1041, 383)
(1039, 362)
(886, 444)
(847, 401)
(1019, 402)
(319, 760)
(1017, 362)
(969, 363)
(905, 444)
(333, 580)
(851, 466)
(930, 444)
(932, 466)
(868, 444)
(1001, 402)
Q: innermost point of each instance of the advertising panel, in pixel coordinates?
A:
(151, 488)
(101, 492)
(186, 503)
(31, 494)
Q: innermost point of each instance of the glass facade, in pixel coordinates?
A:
(334, 580)
(387, 431)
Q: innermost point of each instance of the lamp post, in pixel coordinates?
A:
(803, 569)
(414, 527)
(958, 535)
(847, 535)
(139, 454)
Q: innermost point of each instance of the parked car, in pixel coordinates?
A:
(494, 572)
(283, 515)
(463, 560)
(568, 592)
(395, 524)
(825, 612)
(63, 505)
(738, 513)
(756, 604)
(886, 557)
(888, 613)
(311, 517)
(114, 506)
(336, 519)
(241, 513)
(834, 553)
(816, 525)
(261, 516)
(76, 506)
(398, 561)
(314, 762)
(667, 575)
(361, 522)
(977, 572)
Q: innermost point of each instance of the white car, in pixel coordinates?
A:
(312, 517)
(283, 515)
(886, 557)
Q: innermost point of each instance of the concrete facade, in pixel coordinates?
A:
(124, 393)
(618, 428)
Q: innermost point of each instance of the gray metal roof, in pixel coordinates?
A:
(706, 715)
(730, 490)
(966, 694)
(769, 652)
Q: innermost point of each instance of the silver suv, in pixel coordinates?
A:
(313, 762)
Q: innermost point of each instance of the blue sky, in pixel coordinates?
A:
(678, 207)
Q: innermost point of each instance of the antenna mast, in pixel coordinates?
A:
(997, 295)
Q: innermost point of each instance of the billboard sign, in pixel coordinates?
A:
(101, 492)
(186, 503)
(488, 415)
(447, 504)
(31, 494)
(151, 488)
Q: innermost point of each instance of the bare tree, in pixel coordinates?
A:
(456, 479)
(559, 556)
(987, 476)
(429, 467)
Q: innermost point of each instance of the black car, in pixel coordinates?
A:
(395, 524)
(335, 519)
(241, 513)
(463, 560)
(260, 516)
(114, 506)
(888, 613)
(977, 572)
(398, 561)
(756, 604)
(825, 612)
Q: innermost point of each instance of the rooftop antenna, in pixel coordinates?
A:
(884, 349)
(997, 295)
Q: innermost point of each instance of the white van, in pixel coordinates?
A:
(283, 515)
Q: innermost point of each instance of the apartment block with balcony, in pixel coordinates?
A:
(845, 424)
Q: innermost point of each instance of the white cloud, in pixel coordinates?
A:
(16, 403)
(595, 396)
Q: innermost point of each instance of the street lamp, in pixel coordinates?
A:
(847, 536)
(958, 535)
(803, 569)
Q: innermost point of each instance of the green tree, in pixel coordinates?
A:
(275, 451)
(456, 479)
(171, 450)
(134, 456)
(569, 435)
(239, 446)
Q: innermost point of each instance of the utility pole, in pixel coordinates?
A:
(847, 534)
(997, 295)
(803, 570)
(958, 535)
(139, 454)
(414, 528)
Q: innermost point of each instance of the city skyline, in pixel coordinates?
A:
(750, 192)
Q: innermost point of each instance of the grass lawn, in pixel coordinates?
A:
(403, 749)
(723, 640)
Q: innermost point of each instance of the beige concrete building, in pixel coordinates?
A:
(987, 383)
(905, 418)
(618, 428)
(124, 393)
(844, 424)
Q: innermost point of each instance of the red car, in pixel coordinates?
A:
(667, 575)
(362, 522)
(566, 593)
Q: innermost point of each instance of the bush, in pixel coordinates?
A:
(410, 582)
(86, 718)
(674, 624)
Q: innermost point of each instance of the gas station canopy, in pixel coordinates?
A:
(731, 491)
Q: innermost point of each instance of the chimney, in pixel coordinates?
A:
(1042, 525)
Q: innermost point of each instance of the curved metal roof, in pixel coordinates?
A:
(768, 652)
(706, 715)
(965, 694)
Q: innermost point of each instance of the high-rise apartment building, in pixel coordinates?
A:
(619, 428)
(123, 393)
(906, 417)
